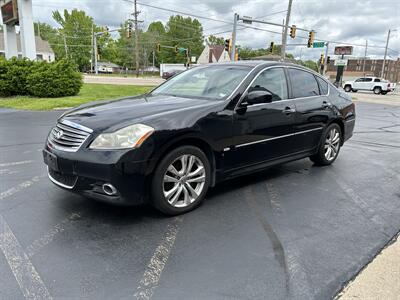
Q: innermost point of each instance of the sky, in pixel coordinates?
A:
(352, 21)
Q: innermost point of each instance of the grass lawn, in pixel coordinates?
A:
(88, 93)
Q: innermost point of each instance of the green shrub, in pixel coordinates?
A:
(58, 79)
(18, 71)
(40, 79)
(5, 88)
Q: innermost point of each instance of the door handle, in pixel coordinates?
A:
(326, 104)
(288, 110)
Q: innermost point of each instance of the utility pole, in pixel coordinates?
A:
(92, 50)
(96, 69)
(365, 56)
(326, 59)
(283, 49)
(233, 48)
(153, 60)
(65, 46)
(386, 49)
(135, 16)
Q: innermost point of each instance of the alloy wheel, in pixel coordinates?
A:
(184, 180)
(332, 144)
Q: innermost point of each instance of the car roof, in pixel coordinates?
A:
(257, 63)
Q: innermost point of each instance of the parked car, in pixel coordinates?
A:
(205, 125)
(169, 74)
(375, 84)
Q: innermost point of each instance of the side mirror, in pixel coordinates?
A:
(258, 97)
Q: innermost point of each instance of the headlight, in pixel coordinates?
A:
(129, 137)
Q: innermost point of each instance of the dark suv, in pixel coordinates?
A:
(207, 124)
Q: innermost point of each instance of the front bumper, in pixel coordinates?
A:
(85, 173)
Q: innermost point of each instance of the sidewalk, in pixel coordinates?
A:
(123, 80)
(379, 280)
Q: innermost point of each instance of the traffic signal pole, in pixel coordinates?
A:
(326, 59)
(284, 40)
(233, 50)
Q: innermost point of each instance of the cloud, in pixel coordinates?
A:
(335, 20)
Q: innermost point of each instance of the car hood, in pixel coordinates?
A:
(154, 111)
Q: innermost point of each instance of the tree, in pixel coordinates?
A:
(214, 40)
(309, 64)
(184, 33)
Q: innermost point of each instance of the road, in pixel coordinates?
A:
(294, 231)
(150, 81)
(369, 97)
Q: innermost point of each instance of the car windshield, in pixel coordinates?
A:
(206, 82)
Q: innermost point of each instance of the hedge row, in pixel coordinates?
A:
(39, 78)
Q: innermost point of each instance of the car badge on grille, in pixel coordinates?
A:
(59, 134)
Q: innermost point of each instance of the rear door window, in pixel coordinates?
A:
(303, 83)
(323, 86)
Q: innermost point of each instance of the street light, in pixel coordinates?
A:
(386, 49)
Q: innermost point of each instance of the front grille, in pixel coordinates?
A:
(68, 136)
(64, 180)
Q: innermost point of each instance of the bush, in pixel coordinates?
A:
(57, 79)
(40, 79)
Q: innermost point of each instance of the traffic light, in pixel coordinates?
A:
(271, 47)
(176, 49)
(321, 60)
(293, 31)
(328, 60)
(228, 45)
(106, 29)
(311, 36)
(158, 47)
(129, 32)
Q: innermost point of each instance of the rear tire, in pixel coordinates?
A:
(377, 90)
(347, 88)
(384, 92)
(329, 147)
(181, 180)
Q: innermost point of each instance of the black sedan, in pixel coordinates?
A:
(205, 125)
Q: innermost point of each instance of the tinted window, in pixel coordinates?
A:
(360, 80)
(377, 80)
(273, 81)
(303, 83)
(208, 82)
(323, 86)
(368, 79)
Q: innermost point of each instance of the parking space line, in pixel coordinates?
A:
(28, 279)
(20, 187)
(48, 237)
(158, 261)
(16, 163)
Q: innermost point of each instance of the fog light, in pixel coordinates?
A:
(109, 189)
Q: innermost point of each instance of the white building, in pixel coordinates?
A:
(43, 49)
(212, 54)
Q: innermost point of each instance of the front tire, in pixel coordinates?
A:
(329, 147)
(181, 180)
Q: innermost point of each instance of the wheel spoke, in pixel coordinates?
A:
(168, 178)
(190, 164)
(175, 198)
(191, 191)
(328, 153)
(186, 196)
(199, 170)
(336, 138)
(184, 162)
(173, 170)
(168, 194)
(201, 178)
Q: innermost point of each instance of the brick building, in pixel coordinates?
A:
(373, 67)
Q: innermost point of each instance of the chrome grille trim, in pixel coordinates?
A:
(72, 138)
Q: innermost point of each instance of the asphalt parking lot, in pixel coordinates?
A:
(294, 231)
